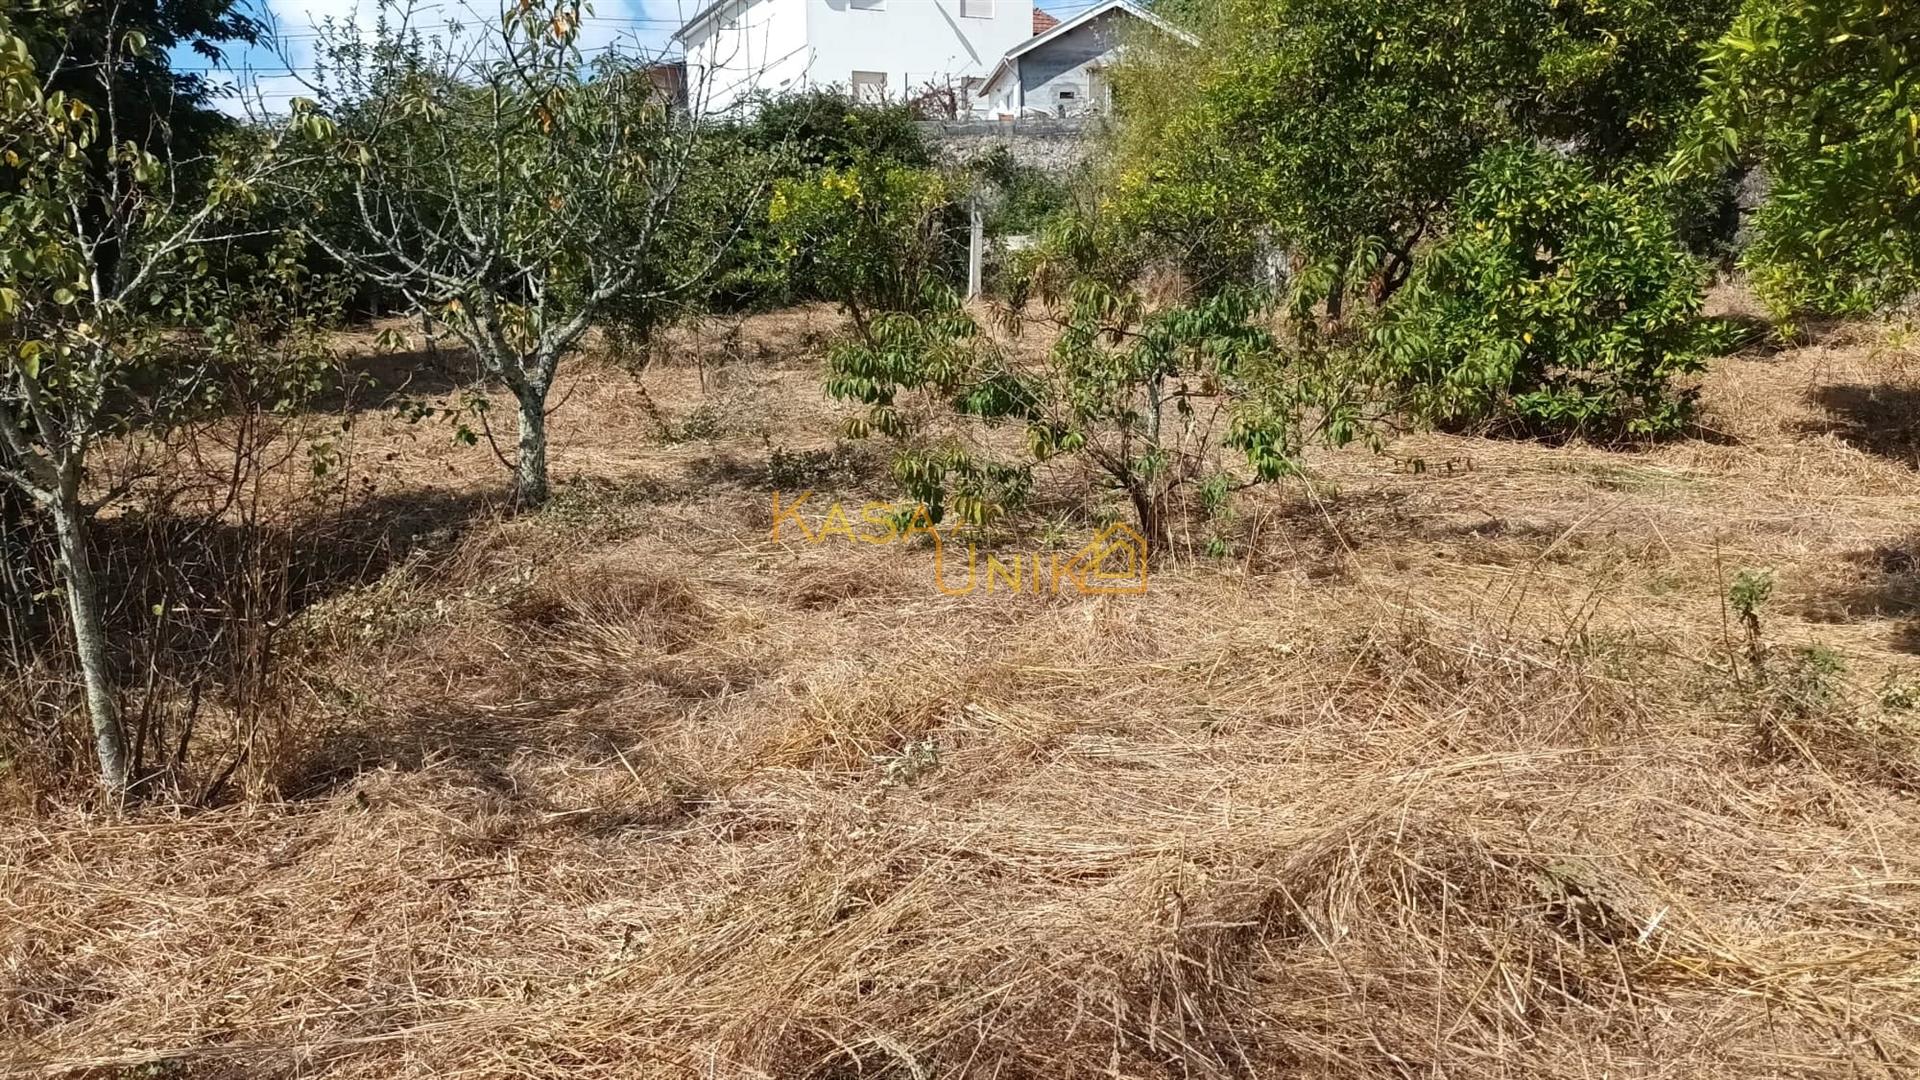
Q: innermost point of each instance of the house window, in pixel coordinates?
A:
(870, 86)
(976, 9)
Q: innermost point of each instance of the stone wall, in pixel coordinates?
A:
(1053, 145)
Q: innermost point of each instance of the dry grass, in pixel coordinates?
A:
(1449, 773)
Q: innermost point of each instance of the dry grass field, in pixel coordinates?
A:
(1456, 771)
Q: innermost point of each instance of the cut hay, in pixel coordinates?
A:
(1456, 773)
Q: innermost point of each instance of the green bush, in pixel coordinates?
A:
(1823, 94)
(1344, 132)
(1558, 302)
(1023, 197)
(875, 237)
(1150, 396)
(827, 129)
(806, 135)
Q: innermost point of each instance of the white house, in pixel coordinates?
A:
(878, 49)
(1061, 70)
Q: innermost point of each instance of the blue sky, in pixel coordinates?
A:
(635, 25)
(642, 26)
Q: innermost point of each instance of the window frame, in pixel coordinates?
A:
(854, 85)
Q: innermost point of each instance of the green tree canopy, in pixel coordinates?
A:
(98, 242)
(499, 180)
(1344, 130)
(155, 99)
(1559, 301)
(1825, 94)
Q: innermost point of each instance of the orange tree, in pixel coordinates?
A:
(1825, 94)
(1343, 131)
(1558, 303)
(1346, 144)
(1156, 398)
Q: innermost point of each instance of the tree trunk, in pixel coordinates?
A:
(90, 642)
(1336, 302)
(1149, 506)
(530, 466)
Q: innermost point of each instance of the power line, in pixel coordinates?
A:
(287, 73)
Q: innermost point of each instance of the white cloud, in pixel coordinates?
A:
(268, 77)
(609, 22)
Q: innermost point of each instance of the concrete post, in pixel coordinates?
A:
(976, 250)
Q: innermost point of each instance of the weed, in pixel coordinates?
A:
(602, 507)
(1899, 695)
(1057, 531)
(1799, 707)
(701, 423)
(1747, 596)
(916, 759)
(1810, 683)
(805, 470)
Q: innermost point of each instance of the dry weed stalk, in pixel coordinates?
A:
(1448, 775)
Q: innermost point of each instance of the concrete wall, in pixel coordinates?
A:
(1056, 146)
(776, 46)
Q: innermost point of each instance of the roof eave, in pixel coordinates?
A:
(1068, 25)
(1006, 63)
(700, 18)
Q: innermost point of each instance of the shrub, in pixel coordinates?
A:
(876, 237)
(827, 129)
(1822, 94)
(1558, 302)
(1153, 397)
(805, 135)
(939, 354)
(884, 242)
(1343, 133)
(1024, 197)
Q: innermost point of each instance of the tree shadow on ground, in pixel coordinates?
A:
(1747, 336)
(843, 467)
(381, 379)
(479, 744)
(185, 594)
(196, 608)
(582, 670)
(1905, 638)
(1882, 420)
(204, 570)
(1883, 584)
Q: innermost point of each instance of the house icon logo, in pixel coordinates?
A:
(1114, 563)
